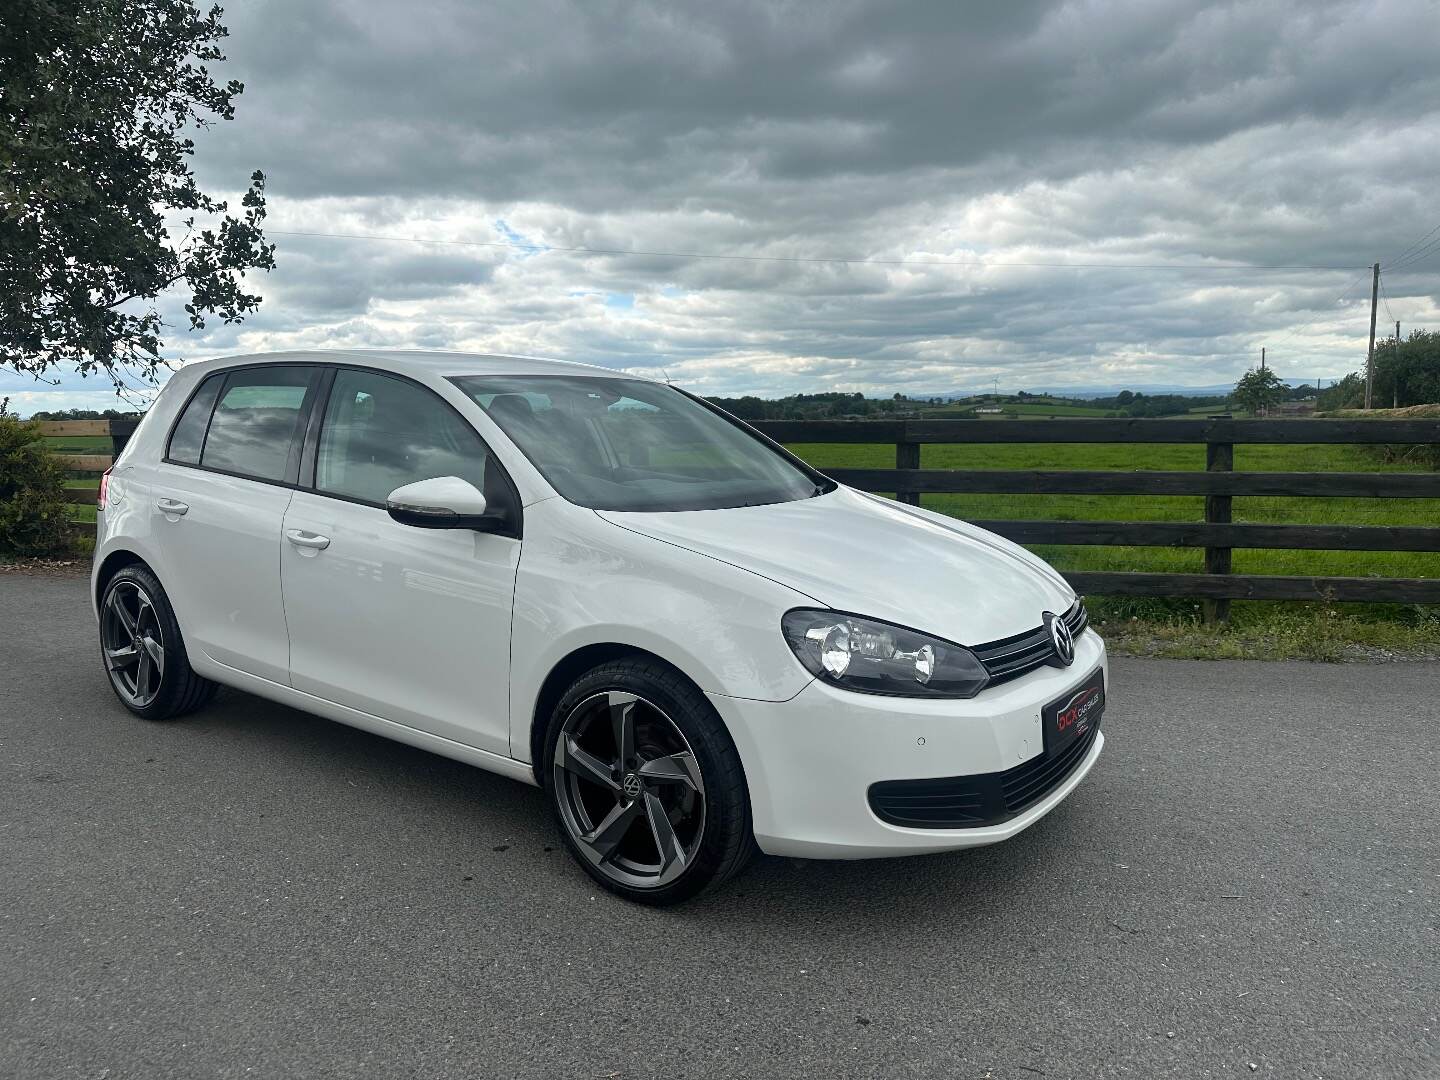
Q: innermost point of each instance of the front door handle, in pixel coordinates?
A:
(171, 506)
(303, 539)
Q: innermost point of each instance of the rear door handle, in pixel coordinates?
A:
(303, 539)
(171, 506)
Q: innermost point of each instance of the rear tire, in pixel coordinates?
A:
(645, 784)
(143, 651)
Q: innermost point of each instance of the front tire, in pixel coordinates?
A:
(143, 651)
(646, 785)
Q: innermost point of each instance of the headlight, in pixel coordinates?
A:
(881, 658)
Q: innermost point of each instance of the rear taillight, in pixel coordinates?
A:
(104, 489)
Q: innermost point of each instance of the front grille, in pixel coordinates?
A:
(1011, 657)
(969, 802)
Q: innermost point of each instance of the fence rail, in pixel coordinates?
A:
(1218, 483)
(1217, 535)
(85, 464)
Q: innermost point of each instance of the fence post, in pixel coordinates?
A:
(1219, 457)
(120, 432)
(907, 456)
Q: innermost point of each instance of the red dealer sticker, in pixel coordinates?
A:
(1068, 718)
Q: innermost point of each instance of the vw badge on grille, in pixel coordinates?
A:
(1060, 637)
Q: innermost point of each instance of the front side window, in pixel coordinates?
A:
(255, 425)
(381, 433)
(628, 444)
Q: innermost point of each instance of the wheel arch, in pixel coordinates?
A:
(112, 564)
(563, 675)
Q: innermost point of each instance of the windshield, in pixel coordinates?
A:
(628, 444)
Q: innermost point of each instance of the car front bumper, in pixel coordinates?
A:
(810, 761)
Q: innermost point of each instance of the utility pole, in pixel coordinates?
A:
(1370, 352)
(1397, 364)
(1262, 357)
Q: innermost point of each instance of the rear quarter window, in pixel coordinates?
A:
(188, 437)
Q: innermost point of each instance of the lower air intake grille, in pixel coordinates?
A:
(969, 802)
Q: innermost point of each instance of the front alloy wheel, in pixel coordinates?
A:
(631, 794)
(646, 784)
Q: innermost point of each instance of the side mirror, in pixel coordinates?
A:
(442, 502)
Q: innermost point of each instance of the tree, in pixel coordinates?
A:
(1258, 389)
(97, 100)
(1410, 373)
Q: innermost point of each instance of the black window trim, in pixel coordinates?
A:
(301, 461)
(310, 452)
(292, 459)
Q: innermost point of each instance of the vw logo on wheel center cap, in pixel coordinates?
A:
(632, 786)
(1060, 637)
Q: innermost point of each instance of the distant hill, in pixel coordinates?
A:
(1088, 392)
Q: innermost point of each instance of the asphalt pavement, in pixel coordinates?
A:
(1245, 885)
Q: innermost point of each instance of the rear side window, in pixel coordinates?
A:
(189, 434)
(382, 433)
(256, 422)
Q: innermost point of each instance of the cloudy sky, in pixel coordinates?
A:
(1048, 194)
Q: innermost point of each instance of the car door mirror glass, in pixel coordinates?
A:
(442, 502)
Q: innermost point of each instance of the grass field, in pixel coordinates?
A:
(1027, 409)
(1129, 507)
(1314, 630)
(1169, 627)
(1059, 456)
(79, 444)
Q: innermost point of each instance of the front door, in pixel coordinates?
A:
(409, 624)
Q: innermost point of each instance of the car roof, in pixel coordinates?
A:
(421, 363)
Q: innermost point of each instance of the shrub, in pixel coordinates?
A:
(34, 512)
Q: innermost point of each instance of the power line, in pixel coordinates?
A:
(1418, 256)
(1343, 294)
(1395, 259)
(1386, 299)
(976, 264)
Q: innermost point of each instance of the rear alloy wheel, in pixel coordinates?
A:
(143, 651)
(646, 784)
(134, 644)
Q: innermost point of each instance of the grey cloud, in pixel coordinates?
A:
(1281, 132)
(604, 104)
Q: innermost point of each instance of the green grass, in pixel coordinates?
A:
(1275, 632)
(1027, 409)
(79, 444)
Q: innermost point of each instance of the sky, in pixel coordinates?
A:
(1035, 195)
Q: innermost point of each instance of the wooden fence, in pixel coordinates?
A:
(88, 466)
(1219, 484)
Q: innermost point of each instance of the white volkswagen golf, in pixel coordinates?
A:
(692, 640)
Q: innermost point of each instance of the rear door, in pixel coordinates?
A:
(409, 624)
(219, 502)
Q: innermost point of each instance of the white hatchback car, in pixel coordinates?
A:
(600, 584)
